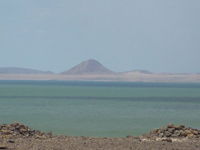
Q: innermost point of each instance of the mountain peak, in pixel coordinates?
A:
(90, 66)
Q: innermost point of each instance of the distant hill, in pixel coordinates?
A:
(140, 71)
(15, 70)
(90, 66)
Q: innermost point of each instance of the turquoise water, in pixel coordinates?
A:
(111, 109)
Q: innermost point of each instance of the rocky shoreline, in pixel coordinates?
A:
(18, 136)
(172, 132)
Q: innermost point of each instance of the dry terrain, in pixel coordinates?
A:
(128, 77)
(92, 70)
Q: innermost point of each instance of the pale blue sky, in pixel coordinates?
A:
(124, 35)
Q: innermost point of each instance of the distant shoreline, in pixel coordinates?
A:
(125, 77)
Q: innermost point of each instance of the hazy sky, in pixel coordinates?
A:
(124, 35)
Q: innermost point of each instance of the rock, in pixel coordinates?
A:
(176, 133)
(17, 127)
(190, 135)
(7, 136)
(197, 136)
(183, 133)
(167, 139)
(11, 141)
(170, 125)
(168, 134)
(40, 137)
(162, 129)
(161, 135)
(48, 135)
(12, 128)
(14, 124)
(5, 132)
(17, 130)
(154, 132)
(154, 137)
(188, 131)
(159, 131)
(3, 147)
(171, 130)
(195, 132)
(22, 130)
(129, 136)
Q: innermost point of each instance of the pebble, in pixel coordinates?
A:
(3, 147)
(11, 141)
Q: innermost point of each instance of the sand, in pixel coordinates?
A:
(62, 142)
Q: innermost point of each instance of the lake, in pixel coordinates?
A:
(102, 109)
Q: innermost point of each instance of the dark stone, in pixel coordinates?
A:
(11, 141)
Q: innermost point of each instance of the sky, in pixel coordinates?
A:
(123, 35)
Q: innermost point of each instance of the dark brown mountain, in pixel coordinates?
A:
(90, 66)
(15, 70)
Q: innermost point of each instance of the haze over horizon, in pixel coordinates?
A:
(158, 36)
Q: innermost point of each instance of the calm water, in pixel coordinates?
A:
(99, 108)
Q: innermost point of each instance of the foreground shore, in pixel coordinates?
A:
(17, 136)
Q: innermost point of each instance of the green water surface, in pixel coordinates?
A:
(98, 108)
